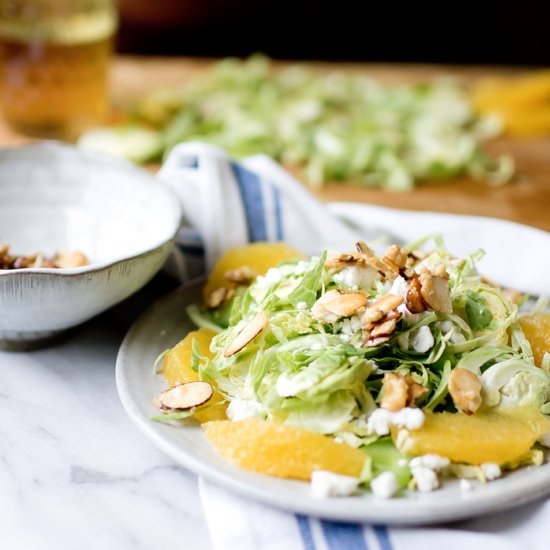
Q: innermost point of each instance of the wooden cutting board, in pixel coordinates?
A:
(526, 200)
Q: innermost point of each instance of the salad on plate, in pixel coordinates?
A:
(383, 371)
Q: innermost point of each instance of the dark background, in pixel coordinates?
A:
(446, 32)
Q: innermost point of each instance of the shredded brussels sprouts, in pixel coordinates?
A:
(336, 127)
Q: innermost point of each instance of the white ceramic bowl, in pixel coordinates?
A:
(56, 197)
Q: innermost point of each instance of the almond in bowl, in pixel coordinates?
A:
(111, 223)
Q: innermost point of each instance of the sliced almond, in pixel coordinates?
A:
(364, 249)
(400, 391)
(391, 262)
(242, 276)
(435, 292)
(67, 259)
(185, 396)
(396, 391)
(335, 304)
(373, 342)
(254, 327)
(387, 303)
(380, 320)
(372, 315)
(440, 271)
(343, 260)
(219, 296)
(416, 391)
(391, 265)
(384, 329)
(393, 314)
(465, 389)
(386, 270)
(397, 255)
(414, 301)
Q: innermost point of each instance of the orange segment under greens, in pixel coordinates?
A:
(536, 328)
(176, 368)
(258, 257)
(497, 436)
(281, 450)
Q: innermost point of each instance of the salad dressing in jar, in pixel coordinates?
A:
(53, 64)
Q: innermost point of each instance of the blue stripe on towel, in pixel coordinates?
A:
(305, 532)
(383, 537)
(249, 186)
(343, 536)
(278, 214)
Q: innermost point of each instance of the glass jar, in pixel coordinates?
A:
(54, 58)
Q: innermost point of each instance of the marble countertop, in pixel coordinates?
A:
(74, 471)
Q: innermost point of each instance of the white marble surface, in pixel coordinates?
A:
(74, 471)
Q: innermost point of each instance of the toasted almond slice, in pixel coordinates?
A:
(67, 259)
(400, 391)
(219, 296)
(395, 393)
(382, 268)
(343, 260)
(436, 293)
(393, 314)
(391, 265)
(397, 255)
(335, 304)
(364, 249)
(386, 328)
(242, 276)
(465, 389)
(381, 312)
(387, 303)
(372, 315)
(414, 301)
(440, 271)
(373, 342)
(254, 327)
(185, 396)
(416, 391)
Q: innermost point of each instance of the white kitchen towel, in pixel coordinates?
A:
(237, 523)
(229, 204)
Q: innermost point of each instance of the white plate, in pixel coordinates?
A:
(165, 323)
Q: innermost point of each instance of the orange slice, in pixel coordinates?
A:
(537, 330)
(280, 450)
(176, 368)
(498, 436)
(259, 257)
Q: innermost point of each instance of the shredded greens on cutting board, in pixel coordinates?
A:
(333, 126)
